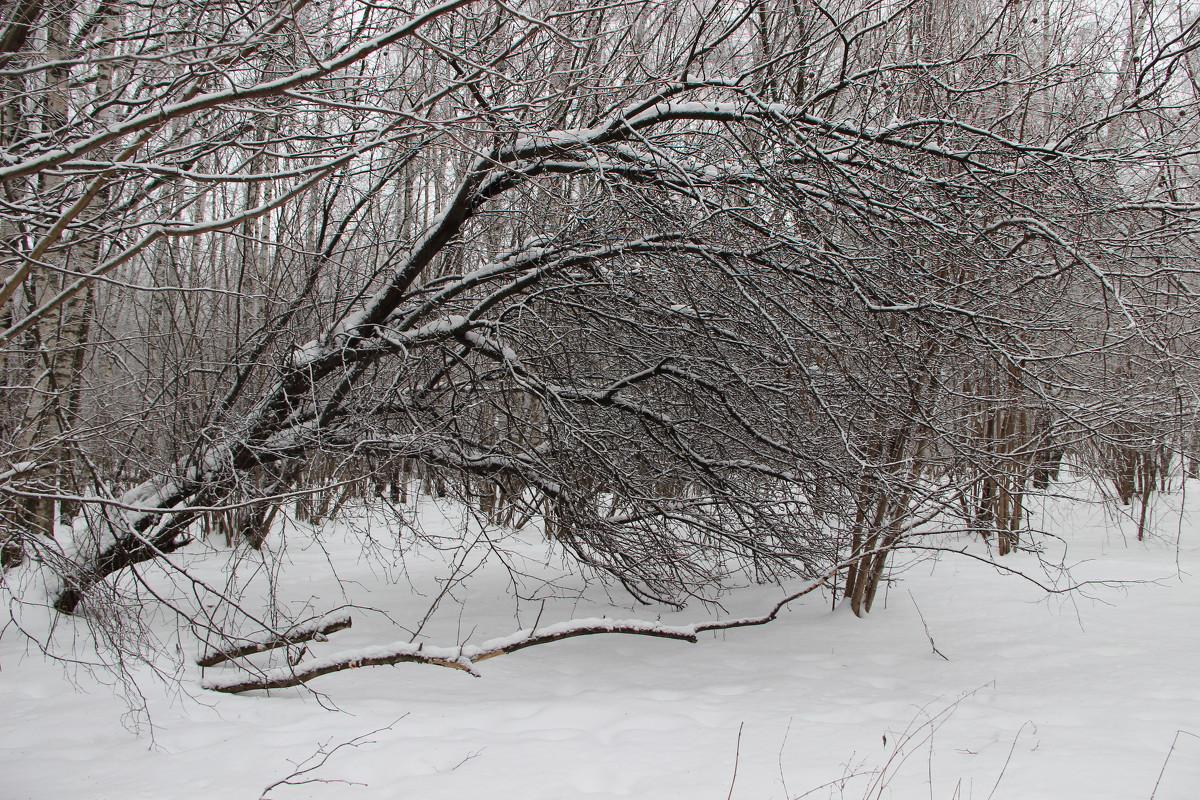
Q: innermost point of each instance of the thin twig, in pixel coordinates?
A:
(737, 757)
(1170, 752)
(322, 755)
(928, 635)
(1011, 748)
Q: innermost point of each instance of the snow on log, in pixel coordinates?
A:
(305, 631)
(462, 658)
(283, 677)
(583, 627)
(465, 657)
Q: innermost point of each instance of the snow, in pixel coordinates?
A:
(1091, 694)
(572, 137)
(306, 354)
(17, 470)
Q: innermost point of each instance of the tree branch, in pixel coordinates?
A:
(314, 629)
(465, 657)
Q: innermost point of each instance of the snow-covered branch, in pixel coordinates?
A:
(467, 656)
(303, 632)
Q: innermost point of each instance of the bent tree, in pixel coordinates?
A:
(771, 286)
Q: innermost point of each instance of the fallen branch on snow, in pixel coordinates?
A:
(304, 632)
(466, 656)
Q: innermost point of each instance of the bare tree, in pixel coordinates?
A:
(771, 287)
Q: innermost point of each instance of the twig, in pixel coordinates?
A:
(928, 635)
(1170, 752)
(466, 758)
(323, 755)
(737, 757)
(782, 745)
(1011, 748)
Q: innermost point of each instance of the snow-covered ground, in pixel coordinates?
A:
(1079, 695)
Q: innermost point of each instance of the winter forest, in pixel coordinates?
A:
(349, 345)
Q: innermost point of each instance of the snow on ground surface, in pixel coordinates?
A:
(1038, 696)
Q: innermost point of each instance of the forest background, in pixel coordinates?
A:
(705, 293)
